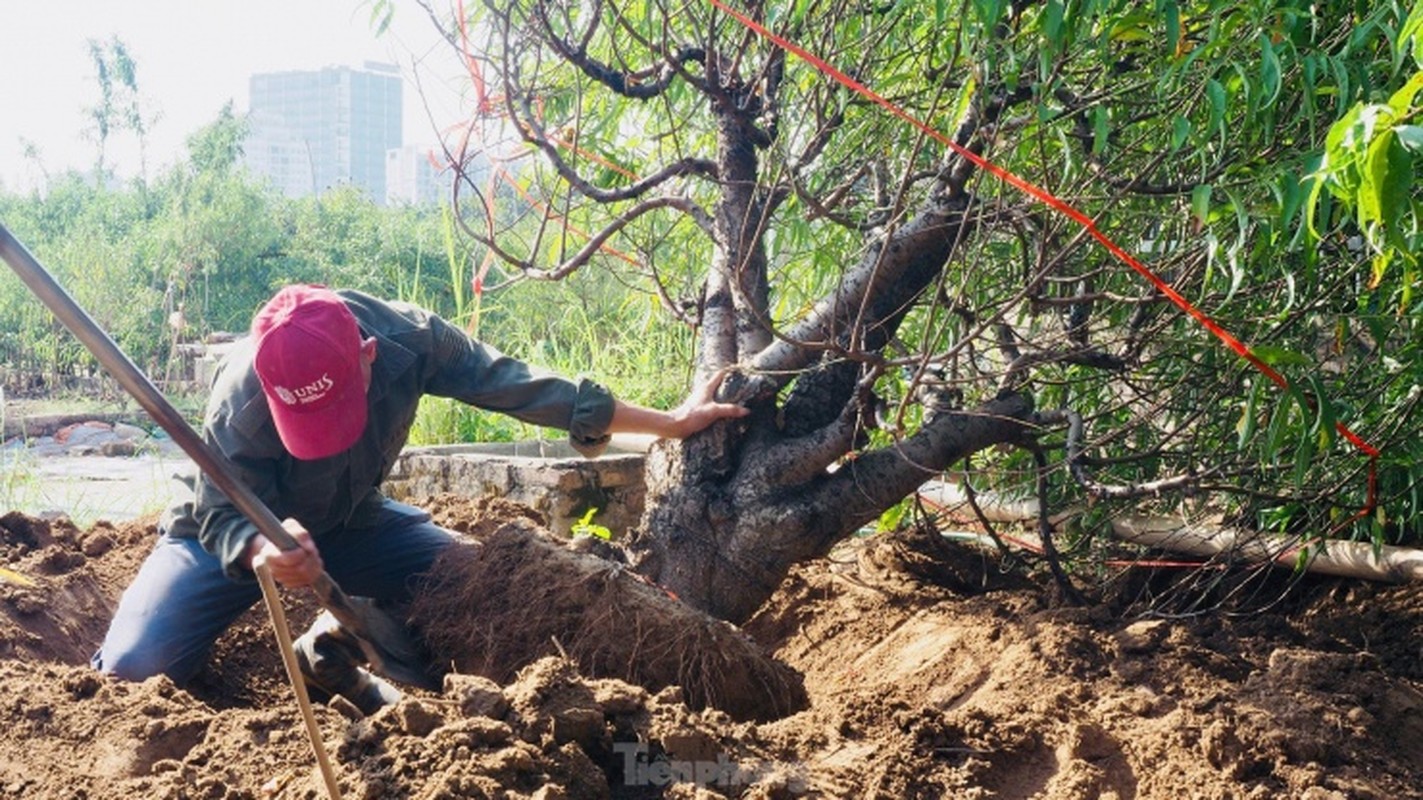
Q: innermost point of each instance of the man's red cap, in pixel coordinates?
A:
(309, 361)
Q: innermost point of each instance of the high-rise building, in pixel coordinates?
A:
(413, 177)
(314, 130)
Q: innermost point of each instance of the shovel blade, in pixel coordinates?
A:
(385, 641)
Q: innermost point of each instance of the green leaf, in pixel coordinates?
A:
(965, 102)
(382, 11)
(1379, 267)
(1280, 423)
(1398, 185)
(1410, 37)
(988, 11)
(1304, 456)
(1180, 131)
(1172, 12)
(1132, 27)
(893, 516)
(1269, 70)
(1290, 199)
(1325, 416)
(1311, 206)
(1402, 100)
(1201, 203)
(1245, 428)
(1279, 356)
(586, 527)
(1387, 179)
(1215, 93)
(1410, 136)
(1340, 67)
(1100, 129)
(1052, 24)
(1233, 252)
(1342, 150)
(1212, 257)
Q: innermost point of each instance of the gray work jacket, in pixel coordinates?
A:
(417, 353)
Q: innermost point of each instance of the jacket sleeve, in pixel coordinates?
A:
(254, 454)
(222, 529)
(477, 374)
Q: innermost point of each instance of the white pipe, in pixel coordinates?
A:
(1334, 557)
(994, 506)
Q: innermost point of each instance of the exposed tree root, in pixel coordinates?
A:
(519, 594)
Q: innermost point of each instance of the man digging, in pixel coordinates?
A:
(312, 410)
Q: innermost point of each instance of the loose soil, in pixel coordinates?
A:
(925, 677)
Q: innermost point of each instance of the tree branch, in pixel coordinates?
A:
(1045, 529)
(1106, 491)
(893, 272)
(1089, 356)
(794, 461)
(862, 489)
(595, 242)
(633, 84)
(534, 134)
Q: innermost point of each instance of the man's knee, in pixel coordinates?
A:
(130, 664)
(169, 617)
(137, 652)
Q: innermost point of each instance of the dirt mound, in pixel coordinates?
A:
(1003, 695)
(54, 605)
(927, 677)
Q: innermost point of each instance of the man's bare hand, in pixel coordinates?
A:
(701, 409)
(293, 569)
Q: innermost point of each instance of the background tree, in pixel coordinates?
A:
(120, 106)
(891, 311)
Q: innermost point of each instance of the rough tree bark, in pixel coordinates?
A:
(730, 512)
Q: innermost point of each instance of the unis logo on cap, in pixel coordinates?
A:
(310, 393)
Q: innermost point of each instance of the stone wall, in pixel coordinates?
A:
(549, 476)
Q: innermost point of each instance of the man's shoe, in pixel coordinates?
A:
(330, 663)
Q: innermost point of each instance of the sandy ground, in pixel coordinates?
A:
(92, 488)
(926, 678)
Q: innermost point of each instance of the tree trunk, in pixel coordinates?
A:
(726, 518)
(732, 509)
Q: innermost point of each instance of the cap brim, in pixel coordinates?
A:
(313, 435)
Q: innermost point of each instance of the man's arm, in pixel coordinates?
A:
(221, 528)
(475, 373)
(234, 424)
(697, 412)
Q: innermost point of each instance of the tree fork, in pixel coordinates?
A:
(724, 538)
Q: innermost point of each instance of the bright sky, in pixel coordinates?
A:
(192, 56)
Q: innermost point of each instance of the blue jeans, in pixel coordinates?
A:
(181, 602)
